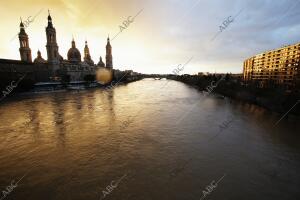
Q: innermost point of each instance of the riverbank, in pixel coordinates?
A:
(47, 87)
(274, 99)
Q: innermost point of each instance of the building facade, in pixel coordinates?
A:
(55, 67)
(279, 67)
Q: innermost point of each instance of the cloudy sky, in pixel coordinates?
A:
(165, 34)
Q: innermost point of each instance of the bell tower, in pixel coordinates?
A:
(25, 51)
(52, 48)
(87, 55)
(108, 57)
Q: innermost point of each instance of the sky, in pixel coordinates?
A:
(201, 35)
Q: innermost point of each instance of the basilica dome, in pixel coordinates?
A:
(74, 54)
(39, 58)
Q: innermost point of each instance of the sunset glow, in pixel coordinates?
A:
(162, 36)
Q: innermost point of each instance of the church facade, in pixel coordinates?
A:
(55, 67)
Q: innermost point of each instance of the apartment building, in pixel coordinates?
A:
(275, 67)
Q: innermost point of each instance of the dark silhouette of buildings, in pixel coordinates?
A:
(55, 68)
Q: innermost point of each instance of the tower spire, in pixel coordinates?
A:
(52, 48)
(87, 55)
(25, 51)
(108, 57)
(73, 43)
(21, 23)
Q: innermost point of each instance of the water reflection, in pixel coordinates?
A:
(75, 142)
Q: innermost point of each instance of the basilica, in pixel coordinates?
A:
(55, 67)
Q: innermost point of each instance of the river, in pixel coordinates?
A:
(147, 140)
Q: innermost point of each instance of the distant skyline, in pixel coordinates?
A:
(165, 34)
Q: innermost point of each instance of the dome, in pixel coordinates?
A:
(39, 58)
(101, 63)
(74, 54)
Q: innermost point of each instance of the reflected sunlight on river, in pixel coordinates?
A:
(73, 144)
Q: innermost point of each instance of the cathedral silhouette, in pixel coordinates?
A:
(55, 68)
